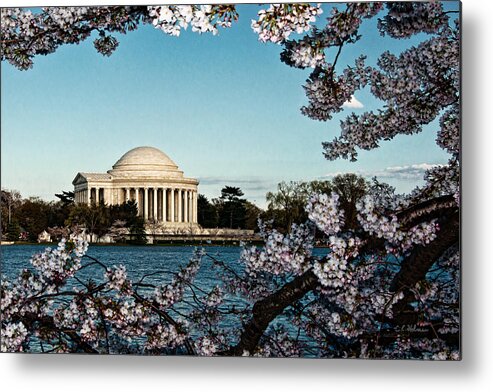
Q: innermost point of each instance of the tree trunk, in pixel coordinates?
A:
(267, 309)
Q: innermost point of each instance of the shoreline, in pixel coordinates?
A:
(231, 244)
(171, 244)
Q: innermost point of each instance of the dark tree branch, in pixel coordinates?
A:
(427, 210)
(417, 264)
(267, 309)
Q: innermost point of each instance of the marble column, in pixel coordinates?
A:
(165, 204)
(186, 217)
(145, 201)
(195, 207)
(154, 204)
(180, 206)
(190, 207)
(127, 194)
(172, 212)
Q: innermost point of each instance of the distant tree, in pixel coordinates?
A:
(118, 231)
(33, 216)
(95, 218)
(124, 212)
(350, 188)
(287, 204)
(252, 213)
(58, 213)
(66, 197)
(137, 232)
(232, 211)
(206, 212)
(320, 187)
(13, 231)
(231, 193)
(153, 227)
(10, 200)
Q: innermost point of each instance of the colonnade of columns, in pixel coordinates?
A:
(91, 195)
(164, 204)
(83, 196)
(160, 204)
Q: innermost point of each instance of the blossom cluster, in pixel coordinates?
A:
(62, 262)
(343, 25)
(164, 336)
(334, 269)
(27, 34)
(443, 180)
(168, 294)
(281, 253)
(429, 349)
(448, 136)
(171, 19)
(13, 336)
(327, 92)
(310, 50)
(215, 297)
(386, 227)
(324, 211)
(117, 279)
(279, 21)
(389, 228)
(416, 86)
(406, 19)
(356, 307)
(278, 343)
(206, 346)
(304, 53)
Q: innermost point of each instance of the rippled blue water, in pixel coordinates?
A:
(140, 261)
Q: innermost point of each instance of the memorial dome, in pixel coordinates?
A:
(147, 161)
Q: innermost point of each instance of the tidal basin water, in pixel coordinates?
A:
(140, 261)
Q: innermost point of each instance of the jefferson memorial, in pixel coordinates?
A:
(149, 177)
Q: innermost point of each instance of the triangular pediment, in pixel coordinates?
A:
(79, 179)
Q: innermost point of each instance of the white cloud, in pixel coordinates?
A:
(353, 103)
(408, 172)
(415, 171)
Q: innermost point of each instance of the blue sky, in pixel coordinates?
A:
(224, 108)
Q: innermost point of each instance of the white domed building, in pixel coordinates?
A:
(150, 178)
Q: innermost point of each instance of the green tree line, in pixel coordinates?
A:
(27, 218)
